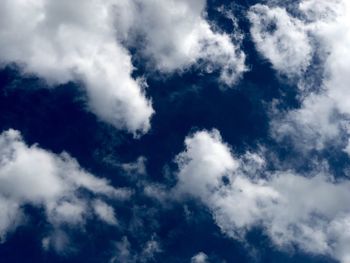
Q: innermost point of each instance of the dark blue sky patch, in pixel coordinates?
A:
(58, 119)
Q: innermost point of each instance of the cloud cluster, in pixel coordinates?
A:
(85, 41)
(62, 41)
(280, 38)
(313, 44)
(67, 194)
(310, 212)
(177, 35)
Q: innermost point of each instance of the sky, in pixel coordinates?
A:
(199, 131)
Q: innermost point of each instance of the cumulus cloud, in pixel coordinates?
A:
(62, 41)
(204, 162)
(320, 32)
(201, 257)
(84, 41)
(309, 127)
(311, 212)
(33, 176)
(177, 35)
(280, 38)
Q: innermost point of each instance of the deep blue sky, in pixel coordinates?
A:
(57, 119)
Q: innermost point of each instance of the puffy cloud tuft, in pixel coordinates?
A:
(199, 258)
(317, 32)
(280, 38)
(177, 35)
(86, 41)
(33, 176)
(310, 212)
(62, 41)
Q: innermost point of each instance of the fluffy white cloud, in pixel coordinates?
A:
(203, 164)
(177, 35)
(105, 212)
(321, 30)
(199, 258)
(280, 38)
(63, 41)
(31, 175)
(311, 212)
(310, 126)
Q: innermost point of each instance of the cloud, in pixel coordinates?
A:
(311, 211)
(309, 127)
(177, 35)
(135, 168)
(203, 164)
(61, 41)
(317, 32)
(199, 258)
(86, 41)
(104, 212)
(280, 38)
(33, 176)
(150, 249)
(125, 254)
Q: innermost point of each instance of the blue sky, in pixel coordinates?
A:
(174, 131)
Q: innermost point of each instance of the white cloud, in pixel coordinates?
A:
(105, 212)
(177, 35)
(199, 258)
(34, 176)
(280, 38)
(310, 212)
(322, 30)
(11, 217)
(63, 41)
(203, 164)
(310, 126)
